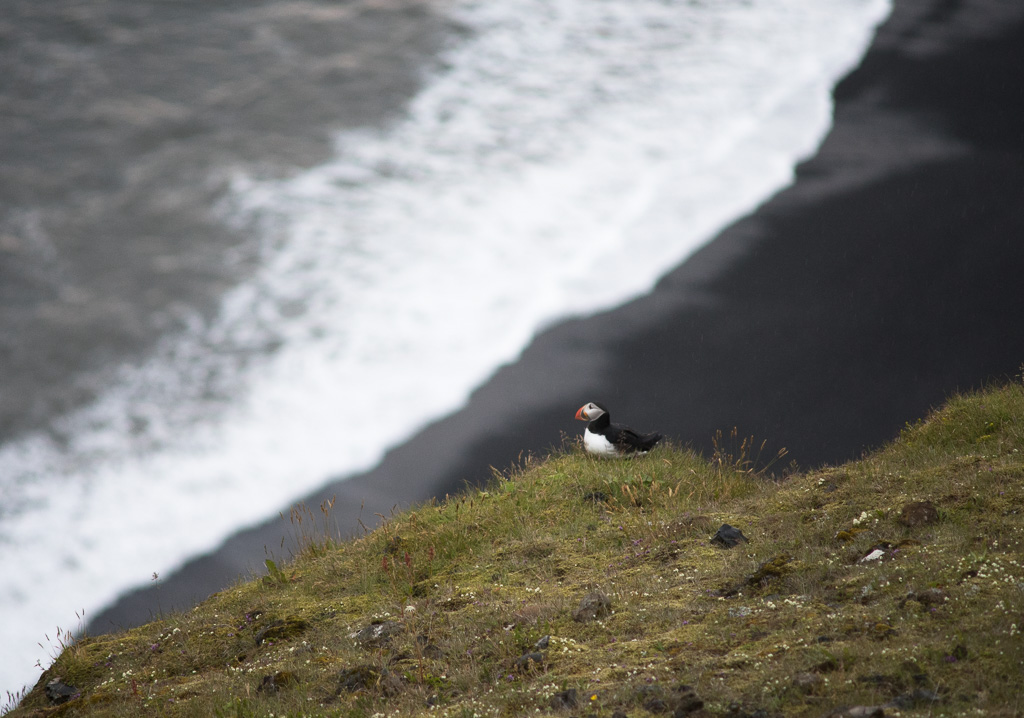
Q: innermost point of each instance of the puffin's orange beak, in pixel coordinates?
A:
(580, 415)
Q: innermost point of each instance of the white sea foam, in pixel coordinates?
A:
(570, 153)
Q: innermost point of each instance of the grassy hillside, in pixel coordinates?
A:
(574, 586)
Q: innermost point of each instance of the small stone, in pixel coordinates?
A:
(57, 691)
(876, 552)
(377, 633)
(542, 644)
(874, 555)
(728, 536)
(595, 605)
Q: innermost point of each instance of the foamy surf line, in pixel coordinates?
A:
(558, 166)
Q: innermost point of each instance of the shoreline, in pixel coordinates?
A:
(885, 278)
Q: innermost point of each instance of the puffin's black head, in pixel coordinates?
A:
(591, 411)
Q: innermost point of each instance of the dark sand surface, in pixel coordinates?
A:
(890, 275)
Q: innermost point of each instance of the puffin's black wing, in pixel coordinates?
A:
(630, 441)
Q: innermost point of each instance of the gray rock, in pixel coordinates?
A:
(57, 691)
(377, 633)
(595, 605)
(728, 536)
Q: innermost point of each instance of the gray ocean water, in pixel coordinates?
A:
(245, 248)
(119, 121)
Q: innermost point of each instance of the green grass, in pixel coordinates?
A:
(792, 623)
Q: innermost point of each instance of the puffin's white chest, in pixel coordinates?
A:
(597, 444)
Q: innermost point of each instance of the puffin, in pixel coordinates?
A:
(603, 438)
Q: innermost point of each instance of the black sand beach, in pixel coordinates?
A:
(886, 278)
